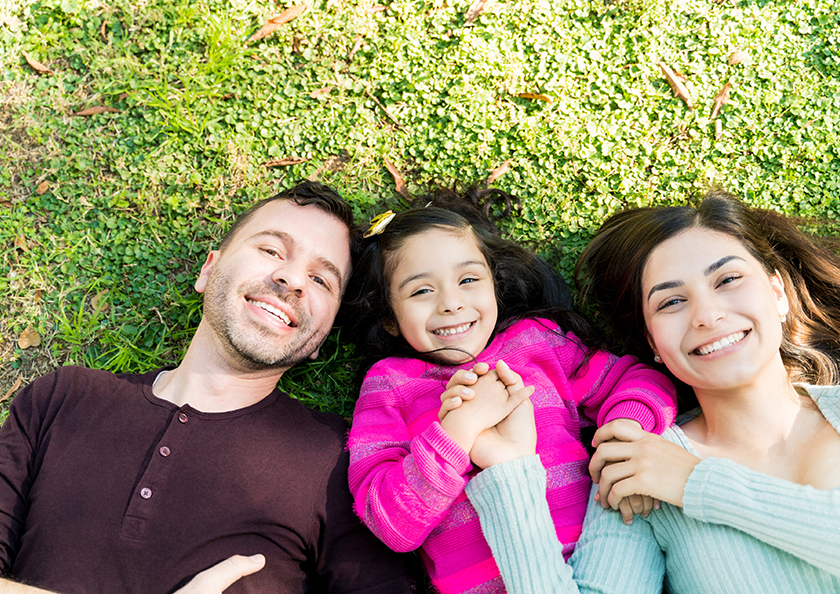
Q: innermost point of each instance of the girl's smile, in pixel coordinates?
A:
(443, 295)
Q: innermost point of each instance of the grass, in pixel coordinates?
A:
(101, 262)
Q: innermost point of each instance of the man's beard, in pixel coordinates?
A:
(252, 345)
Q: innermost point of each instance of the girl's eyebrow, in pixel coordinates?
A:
(420, 275)
(678, 283)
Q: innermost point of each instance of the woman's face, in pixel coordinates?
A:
(711, 311)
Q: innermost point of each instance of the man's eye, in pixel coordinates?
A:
(271, 252)
(320, 281)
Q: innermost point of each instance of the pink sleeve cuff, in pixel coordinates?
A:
(434, 441)
(635, 410)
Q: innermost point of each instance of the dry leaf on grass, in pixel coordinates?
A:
(537, 96)
(12, 22)
(42, 188)
(498, 172)
(376, 8)
(318, 92)
(721, 99)
(102, 32)
(402, 190)
(98, 303)
(96, 109)
(284, 161)
(476, 8)
(20, 242)
(675, 80)
(356, 46)
(38, 294)
(29, 338)
(274, 23)
(738, 57)
(35, 64)
(15, 387)
(718, 129)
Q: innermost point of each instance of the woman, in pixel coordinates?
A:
(738, 305)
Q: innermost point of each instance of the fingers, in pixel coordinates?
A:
(508, 377)
(620, 429)
(520, 396)
(462, 377)
(222, 575)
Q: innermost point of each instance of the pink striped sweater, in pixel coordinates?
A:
(408, 476)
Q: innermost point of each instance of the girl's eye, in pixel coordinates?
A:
(420, 292)
(469, 279)
(669, 303)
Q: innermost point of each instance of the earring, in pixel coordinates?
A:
(657, 358)
(783, 318)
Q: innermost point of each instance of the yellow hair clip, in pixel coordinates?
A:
(378, 223)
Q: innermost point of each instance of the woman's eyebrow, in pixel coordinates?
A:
(719, 263)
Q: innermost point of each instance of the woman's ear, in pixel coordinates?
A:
(778, 287)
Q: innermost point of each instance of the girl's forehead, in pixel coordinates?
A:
(430, 245)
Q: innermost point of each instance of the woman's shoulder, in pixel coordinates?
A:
(827, 399)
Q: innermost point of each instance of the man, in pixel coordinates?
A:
(137, 483)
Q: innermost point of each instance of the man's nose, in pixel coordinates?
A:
(290, 277)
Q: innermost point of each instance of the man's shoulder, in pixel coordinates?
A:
(71, 379)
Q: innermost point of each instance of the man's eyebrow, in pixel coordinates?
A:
(285, 237)
(458, 265)
(678, 283)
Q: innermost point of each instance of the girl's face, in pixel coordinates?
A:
(442, 293)
(711, 311)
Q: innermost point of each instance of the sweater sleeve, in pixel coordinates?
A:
(797, 519)
(610, 557)
(623, 388)
(402, 486)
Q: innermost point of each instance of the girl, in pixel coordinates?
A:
(738, 304)
(439, 293)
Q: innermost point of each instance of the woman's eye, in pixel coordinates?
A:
(728, 279)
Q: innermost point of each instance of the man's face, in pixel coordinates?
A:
(272, 295)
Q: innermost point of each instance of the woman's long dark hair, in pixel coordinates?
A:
(526, 286)
(609, 276)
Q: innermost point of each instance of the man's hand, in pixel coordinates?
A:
(219, 577)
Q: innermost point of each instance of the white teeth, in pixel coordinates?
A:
(272, 310)
(451, 331)
(720, 344)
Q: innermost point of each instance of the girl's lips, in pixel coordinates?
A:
(453, 330)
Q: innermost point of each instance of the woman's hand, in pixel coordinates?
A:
(216, 579)
(638, 463)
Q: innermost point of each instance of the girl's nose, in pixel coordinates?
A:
(451, 302)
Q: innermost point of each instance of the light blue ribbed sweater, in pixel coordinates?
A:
(740, 532)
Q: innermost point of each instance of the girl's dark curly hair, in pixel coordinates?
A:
(526, 286)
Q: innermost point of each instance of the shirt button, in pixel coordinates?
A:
(183, 418)
(164, 451)
(145, 492)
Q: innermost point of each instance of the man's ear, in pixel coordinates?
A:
(314, 354)
(201, 281)
(391, 328)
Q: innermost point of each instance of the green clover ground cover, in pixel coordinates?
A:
(100, 260)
